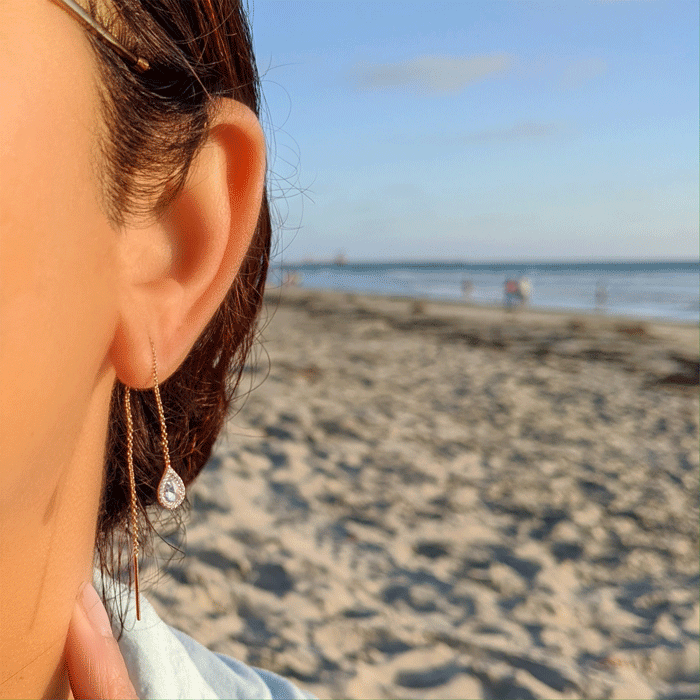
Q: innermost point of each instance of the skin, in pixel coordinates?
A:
(79, 304)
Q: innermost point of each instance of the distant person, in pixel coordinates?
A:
(601, 296)
(467, 288)
(291, 279)
(511, 295)
(525, 290)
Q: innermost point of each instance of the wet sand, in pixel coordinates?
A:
(432, 500)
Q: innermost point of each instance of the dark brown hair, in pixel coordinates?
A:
(155, 125)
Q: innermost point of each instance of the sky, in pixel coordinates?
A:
(501, 130)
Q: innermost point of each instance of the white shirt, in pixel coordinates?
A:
(164, 662)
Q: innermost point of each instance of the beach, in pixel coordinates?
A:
(419, 499)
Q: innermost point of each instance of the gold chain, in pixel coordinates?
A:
(163, 432)
(134, 519)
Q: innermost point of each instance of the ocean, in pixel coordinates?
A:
(662, 290)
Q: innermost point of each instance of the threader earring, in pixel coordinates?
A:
(171, 489)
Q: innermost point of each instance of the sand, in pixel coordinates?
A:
(433, 500)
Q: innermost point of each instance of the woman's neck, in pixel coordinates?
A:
(46, 551)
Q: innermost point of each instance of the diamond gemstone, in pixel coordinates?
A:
(169, 493)
(171, 490)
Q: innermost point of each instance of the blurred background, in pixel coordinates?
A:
(481, 131)
(464, 461)
(473, 134)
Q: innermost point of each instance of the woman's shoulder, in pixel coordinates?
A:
(226, 675)
(164, 662)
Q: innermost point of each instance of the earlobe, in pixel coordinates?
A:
(178, 271)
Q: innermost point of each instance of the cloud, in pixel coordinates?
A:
(581, 72)
(524, 131)
(430, 74)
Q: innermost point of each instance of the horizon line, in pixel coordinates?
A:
(456, 261)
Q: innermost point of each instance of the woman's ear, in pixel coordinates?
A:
(175, 273)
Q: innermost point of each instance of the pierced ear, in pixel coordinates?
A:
(176, 272)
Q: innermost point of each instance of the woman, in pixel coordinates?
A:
(134, 243)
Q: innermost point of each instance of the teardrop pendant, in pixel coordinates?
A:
(171, 490)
